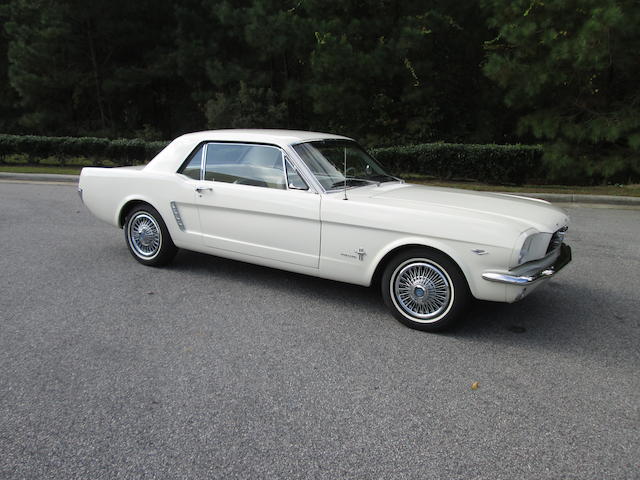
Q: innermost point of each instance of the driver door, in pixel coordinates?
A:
(246, 205)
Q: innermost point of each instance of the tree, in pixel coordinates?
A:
(8, 97)
(401, 72)
(103, 67)
(243, 61)
(571, 68)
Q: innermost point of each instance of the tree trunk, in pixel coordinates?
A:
(96, 75)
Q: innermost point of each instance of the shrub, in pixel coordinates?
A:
(497, 164)
(120, 152)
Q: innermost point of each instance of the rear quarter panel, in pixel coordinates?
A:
(106, 191)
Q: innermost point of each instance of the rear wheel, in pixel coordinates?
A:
(147, 236)
(425, 289)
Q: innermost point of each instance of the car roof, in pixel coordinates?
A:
(278, 137)
(174, 154)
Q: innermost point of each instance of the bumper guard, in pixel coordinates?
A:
(522, 280)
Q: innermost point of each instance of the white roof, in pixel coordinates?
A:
(278, 137)
(174, 154)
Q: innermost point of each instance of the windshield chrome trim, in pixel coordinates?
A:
(312, 182)
(316, 183)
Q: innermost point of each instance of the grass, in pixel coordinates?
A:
(70, 170)
(618, 190)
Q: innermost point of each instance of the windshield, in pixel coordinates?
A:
(329, 160)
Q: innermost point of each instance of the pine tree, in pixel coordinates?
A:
(103, 67)
(571, 68)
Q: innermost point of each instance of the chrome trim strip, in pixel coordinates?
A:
(203, 161)
(176, 214)
(310, 179)
(548, 272)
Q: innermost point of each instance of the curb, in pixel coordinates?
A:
(581, 198)
(39, 177)
(549, 197)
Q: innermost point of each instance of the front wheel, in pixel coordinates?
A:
(147, 236)
(425, 289)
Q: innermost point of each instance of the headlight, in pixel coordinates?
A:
(524, 251)
(534, 246)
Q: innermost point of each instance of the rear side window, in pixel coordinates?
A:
(192, 168)
(256, 165)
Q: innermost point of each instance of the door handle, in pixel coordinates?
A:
(203, 189)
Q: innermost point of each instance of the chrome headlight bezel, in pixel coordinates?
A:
(532, 245)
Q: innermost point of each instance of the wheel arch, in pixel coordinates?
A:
(127, 206)
(386, 256)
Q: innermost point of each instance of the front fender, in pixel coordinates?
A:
(472, 258)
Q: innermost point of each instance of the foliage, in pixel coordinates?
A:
(94, 67)
(400, 72)
(489, 163)
(495, 164)
(120, 152)
(385, 72)
(571, 68)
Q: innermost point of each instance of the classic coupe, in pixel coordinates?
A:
(318, 204)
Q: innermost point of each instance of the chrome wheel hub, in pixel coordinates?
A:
(144, 235)
(422, 289)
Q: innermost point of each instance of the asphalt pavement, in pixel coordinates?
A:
(211, 368)
(618, 200)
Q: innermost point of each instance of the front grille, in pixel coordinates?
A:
(556, 239)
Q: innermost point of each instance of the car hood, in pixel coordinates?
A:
(528, 212)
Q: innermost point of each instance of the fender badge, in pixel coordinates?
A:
(479, 251)
(359, 254)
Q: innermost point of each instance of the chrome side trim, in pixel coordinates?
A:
(203, 162)
(548, 272)
(310, 179)
(176, 214)
(80, 195)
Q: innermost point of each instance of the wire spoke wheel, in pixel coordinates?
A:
(422, 290)
(144, 235)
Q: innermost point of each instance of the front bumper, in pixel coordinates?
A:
(528, 277)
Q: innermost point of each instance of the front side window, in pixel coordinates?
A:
(339, 162)
(256, 165)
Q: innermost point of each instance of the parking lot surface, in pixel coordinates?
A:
(211, 368)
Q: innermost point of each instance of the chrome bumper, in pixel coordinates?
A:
(522, 280)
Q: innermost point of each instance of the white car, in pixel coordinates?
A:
(318, 204)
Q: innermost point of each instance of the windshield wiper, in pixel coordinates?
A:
(384, 177)
(341, 183)
(374, 179)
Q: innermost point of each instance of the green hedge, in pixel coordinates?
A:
(497, 164)
(500, 164)
(120, 152)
